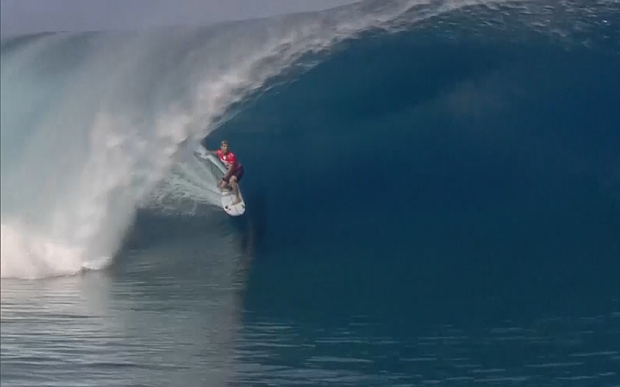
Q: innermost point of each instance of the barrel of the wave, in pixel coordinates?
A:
(232, 205)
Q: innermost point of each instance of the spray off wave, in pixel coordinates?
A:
(92, 122)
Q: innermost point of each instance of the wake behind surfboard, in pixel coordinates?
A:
(227, 196)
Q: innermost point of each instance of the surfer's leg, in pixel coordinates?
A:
(235, 188)
(221, 184)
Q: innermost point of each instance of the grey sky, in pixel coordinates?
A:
(27, 16)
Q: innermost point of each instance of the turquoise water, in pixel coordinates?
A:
(434, 202)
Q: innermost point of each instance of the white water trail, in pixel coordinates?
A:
(87, 141)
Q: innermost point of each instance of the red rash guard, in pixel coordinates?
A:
(228, 159)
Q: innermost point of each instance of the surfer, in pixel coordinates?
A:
(235, 170)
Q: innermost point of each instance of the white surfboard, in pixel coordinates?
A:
(219, 170)
(227, 199)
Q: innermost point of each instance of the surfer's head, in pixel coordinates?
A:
(224, 146)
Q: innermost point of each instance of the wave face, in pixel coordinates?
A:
(399, 114)
(475, 134)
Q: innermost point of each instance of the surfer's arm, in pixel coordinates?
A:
(213, 152)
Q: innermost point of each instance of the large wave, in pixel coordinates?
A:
(96, 125)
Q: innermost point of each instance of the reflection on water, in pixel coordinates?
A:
(180, 315)
(197, 308)
(156, 318)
